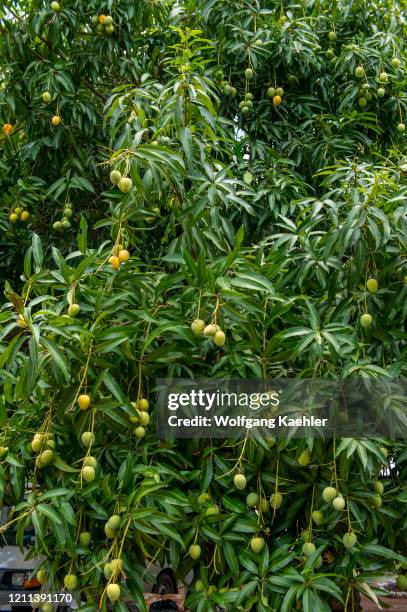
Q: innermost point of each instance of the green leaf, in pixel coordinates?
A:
(49, 512)
(57, 356)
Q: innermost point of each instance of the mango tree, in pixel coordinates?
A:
(171, 171)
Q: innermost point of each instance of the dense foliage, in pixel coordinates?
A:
(265, 147)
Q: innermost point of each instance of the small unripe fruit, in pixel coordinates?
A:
(3, 451)
(257, 544)
(195, 551)
(339, 503)
(330, 54)
(144, 418)
(46, 96)
(56, 120)
(306, 535)
(376, 501)
(18, 211)
(42, 576)
(280, 91)
(107, 570)
(308, 549)
(210, 330)
(203, 498)
(117, 566)
(277, 100)
(304, 459)
(378, 488)
(401, 127)
(108, 20)
(109, 29)
(47, 457)
(70, 582)
(88, 473)
(212, 510)
(125, 184)
(84, 401)
(197, 326)
(381, 92)
(359, 72)
(115, 177)
(25, 215)
(85, 538)
(264, 505)
(110, 533)
(87, 438)
(199, 586)
(36, 445)
(276, 500)
(57, 225)
(248, 73)
(384, 451)
(13, 217)
(89, 460)
(252, 500)
(372, 285)
(349, 540)
(329, 493)
(143, 404)
(113, 591)
(219, 338)
(395, 62)
(240, 481)
(73, 310)
(366, 320)
(402, 582)
(55, 7)
(114, 521)
(271, 92)
(384, 77)
(38, 463)
(362, 102)
(139, 432)
(318, 517)
(332, 36)
(124, 255)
